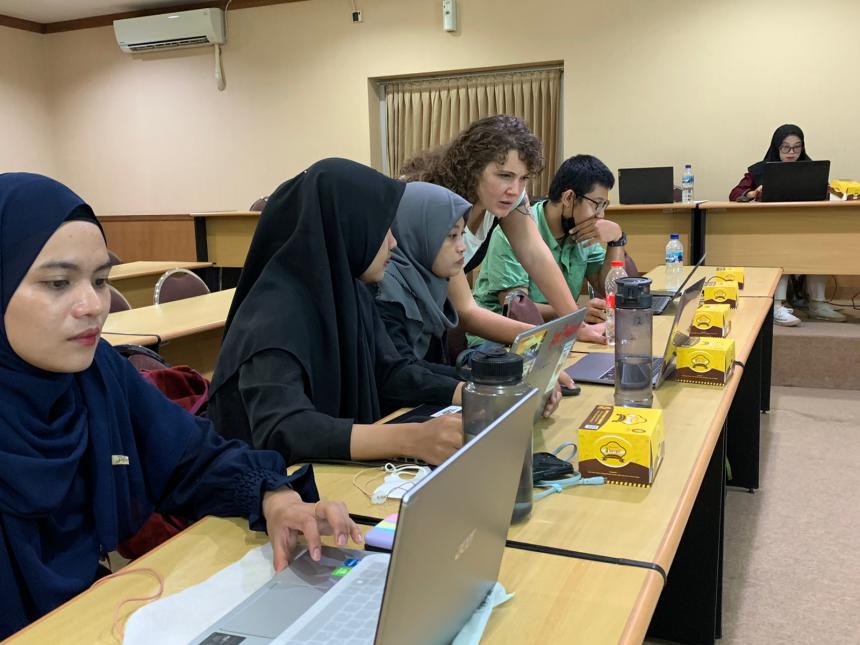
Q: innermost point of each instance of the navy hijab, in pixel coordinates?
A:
(62, 503)
(772, 154)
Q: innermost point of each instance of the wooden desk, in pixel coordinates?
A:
(801, 237)
(759, 282)
(223, 238)
(189, 330)
(558, 599)
(136, 280)
(648, 227)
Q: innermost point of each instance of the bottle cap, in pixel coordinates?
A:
(674, 236)
(633, 293)
(617, 263)
(497, 366)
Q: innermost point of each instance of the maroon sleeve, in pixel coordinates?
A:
(746, 184)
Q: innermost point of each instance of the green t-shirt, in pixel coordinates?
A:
(501, 270)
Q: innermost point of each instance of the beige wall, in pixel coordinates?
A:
(26, 140)
(645, 84)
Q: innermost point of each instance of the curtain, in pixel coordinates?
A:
(424, 113)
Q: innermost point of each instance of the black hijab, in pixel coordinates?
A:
(299, 290)
(772, 154)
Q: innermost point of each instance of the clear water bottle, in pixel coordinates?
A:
(633, 333)
(674, 262)
(617, 271)
(496, 384)
(687, 180)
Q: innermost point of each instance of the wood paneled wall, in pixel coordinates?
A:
(150, 237)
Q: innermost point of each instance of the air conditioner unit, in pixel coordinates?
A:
(170, 30)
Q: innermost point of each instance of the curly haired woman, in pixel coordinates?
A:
(489, 164)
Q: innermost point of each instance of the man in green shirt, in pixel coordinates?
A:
(571, 222)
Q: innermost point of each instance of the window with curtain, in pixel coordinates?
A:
(426, 112)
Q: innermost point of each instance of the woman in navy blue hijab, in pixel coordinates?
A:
(88, 450)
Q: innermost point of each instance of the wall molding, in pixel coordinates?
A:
(107, 20)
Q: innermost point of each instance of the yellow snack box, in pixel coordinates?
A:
(624, 445)
(720, 292)
(705, 360)
(731, 273)
(712, 320)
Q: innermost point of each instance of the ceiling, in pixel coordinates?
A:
(45, 11)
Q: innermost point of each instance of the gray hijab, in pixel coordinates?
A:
(425, 216)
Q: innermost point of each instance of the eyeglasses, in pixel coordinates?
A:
(785, 149)
(599, 205)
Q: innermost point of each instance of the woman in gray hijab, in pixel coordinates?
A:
(413, 296)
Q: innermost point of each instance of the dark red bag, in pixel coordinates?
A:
(188, 388)
(518, 306)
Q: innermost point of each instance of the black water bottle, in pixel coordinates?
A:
(496, 384)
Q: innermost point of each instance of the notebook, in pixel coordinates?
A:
(795, 181)
(600, 368)
(646, 185)
(448, 546)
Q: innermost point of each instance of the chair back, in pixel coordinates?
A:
(118, 301)
(178, 284)
(518, 306)
(142, 357)
(630, 267)
(259, 204)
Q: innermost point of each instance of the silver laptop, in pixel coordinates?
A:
(600, 368)
(448, 547)
(544, 349)
(661, 298)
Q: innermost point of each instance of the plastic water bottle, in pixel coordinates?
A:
(674, 262)
(634, 331)
(496, 384)
(687, 184)
(617, 271)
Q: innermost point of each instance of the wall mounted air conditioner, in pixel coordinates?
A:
(170, 30)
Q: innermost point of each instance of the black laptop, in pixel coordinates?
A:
(646, 185)
(795, 181)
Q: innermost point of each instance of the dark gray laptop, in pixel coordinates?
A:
(600, 368)
(660, 298)
(448, 547)
(646, 185)
(795, 181)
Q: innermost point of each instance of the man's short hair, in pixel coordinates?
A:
(580, 173)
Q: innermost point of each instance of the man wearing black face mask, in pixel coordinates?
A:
(571, 222)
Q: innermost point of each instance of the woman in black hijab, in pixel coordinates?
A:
(306, 363)
(787, 145)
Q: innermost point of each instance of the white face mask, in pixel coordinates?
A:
(395, 484)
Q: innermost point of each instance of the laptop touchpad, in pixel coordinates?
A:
(274, 611)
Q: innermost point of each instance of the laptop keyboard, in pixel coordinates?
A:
(659, 303)
(656, 366)
(350, 613)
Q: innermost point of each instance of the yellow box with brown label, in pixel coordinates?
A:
(705, 360)
(712, 320)
(720, 292)
(624, 445)
(731, 273)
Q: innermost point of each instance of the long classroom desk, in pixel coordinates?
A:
(558, 599)
(185, 332)
(801, 237)
(223, 237)
(636, 527)
(759, 282)
(648, 227)
(136, 280)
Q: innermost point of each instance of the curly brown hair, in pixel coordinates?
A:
(459, 164)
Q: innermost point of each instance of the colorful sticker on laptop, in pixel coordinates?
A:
(340, 572)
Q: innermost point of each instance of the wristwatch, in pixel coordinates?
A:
(621, 241)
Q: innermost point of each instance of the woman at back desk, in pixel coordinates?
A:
(786, 145)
